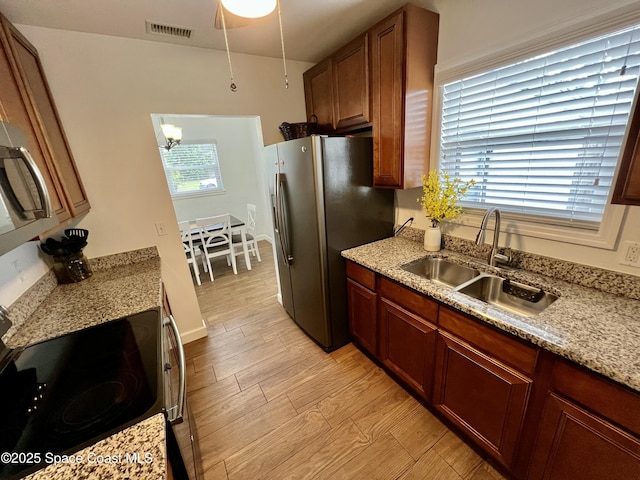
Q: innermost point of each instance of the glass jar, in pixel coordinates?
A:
(71, 268)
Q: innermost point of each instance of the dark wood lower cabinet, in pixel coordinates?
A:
(481, 396)
(540, 416)
(363, 322)
(407, 346)
(574, 443)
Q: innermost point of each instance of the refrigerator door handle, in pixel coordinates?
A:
(276, 206)
(281, 222)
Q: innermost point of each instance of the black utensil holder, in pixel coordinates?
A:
(71, 268)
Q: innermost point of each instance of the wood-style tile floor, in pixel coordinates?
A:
(270, 404)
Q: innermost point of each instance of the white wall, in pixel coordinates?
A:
(105, 90)
(471, 29)
(239, 147)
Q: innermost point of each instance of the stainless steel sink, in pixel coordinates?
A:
(441, 271)
(508, 295)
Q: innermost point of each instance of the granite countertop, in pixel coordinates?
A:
(591, 327)
(136, 452)
(121, 285)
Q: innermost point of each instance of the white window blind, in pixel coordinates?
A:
(192, 168)
(542, 136)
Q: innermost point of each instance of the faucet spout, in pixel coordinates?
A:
(494, 257)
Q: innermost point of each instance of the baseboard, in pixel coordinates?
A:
(265, 237)
(195, 334)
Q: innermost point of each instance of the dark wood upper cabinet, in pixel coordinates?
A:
(383, 80)
(318, 94)
(627, 187)
(337, 89)
(37, 96)
(403, 52)
(351, 84)
(14, 110)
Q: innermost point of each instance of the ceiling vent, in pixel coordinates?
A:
(167, 30)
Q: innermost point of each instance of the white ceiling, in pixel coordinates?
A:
(312, 28)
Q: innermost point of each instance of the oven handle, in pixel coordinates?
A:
(175, 413)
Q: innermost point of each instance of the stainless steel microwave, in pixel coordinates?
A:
(25, 205)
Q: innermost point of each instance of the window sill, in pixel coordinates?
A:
(197, 194)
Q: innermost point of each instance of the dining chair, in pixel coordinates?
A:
(252, 243)
(215, 240)
(190, 250)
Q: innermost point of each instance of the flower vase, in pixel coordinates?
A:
(432, 239)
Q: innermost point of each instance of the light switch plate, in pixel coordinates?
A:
(161, 228)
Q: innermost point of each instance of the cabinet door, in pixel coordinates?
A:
(351, 84)
(318, 94)
(627, 187)
(387, 93)
(39, 95)
(363, 323)
(403, 50)
(574, 443)
(14, 110)
(480, 395)
(407, 346)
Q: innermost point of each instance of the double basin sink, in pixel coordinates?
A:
(502, 293)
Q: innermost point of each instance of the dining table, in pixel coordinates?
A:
(237, 227)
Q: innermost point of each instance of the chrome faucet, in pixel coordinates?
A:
(494, 257)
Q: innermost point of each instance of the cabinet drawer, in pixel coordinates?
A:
(412, 301)
(503, 347)
(361, 275)
(612, 401)
(575, 443)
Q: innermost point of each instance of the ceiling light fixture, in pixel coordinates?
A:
(173, 135)
(250, 8)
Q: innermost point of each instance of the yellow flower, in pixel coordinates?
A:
(440, 195)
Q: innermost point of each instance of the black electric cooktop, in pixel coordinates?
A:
(58, 396)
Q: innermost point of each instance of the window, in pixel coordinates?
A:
(542, 136)
(192, 168)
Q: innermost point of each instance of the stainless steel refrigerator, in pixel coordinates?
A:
(322, 203)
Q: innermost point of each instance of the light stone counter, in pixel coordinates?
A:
(594, 328)
(137, 452)
(121, 285)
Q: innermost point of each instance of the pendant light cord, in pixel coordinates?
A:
(284, 60)
(233, 85)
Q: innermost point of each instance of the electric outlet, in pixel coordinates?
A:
(630, 254)
(161, 228)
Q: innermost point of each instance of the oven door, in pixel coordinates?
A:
(182, 442)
